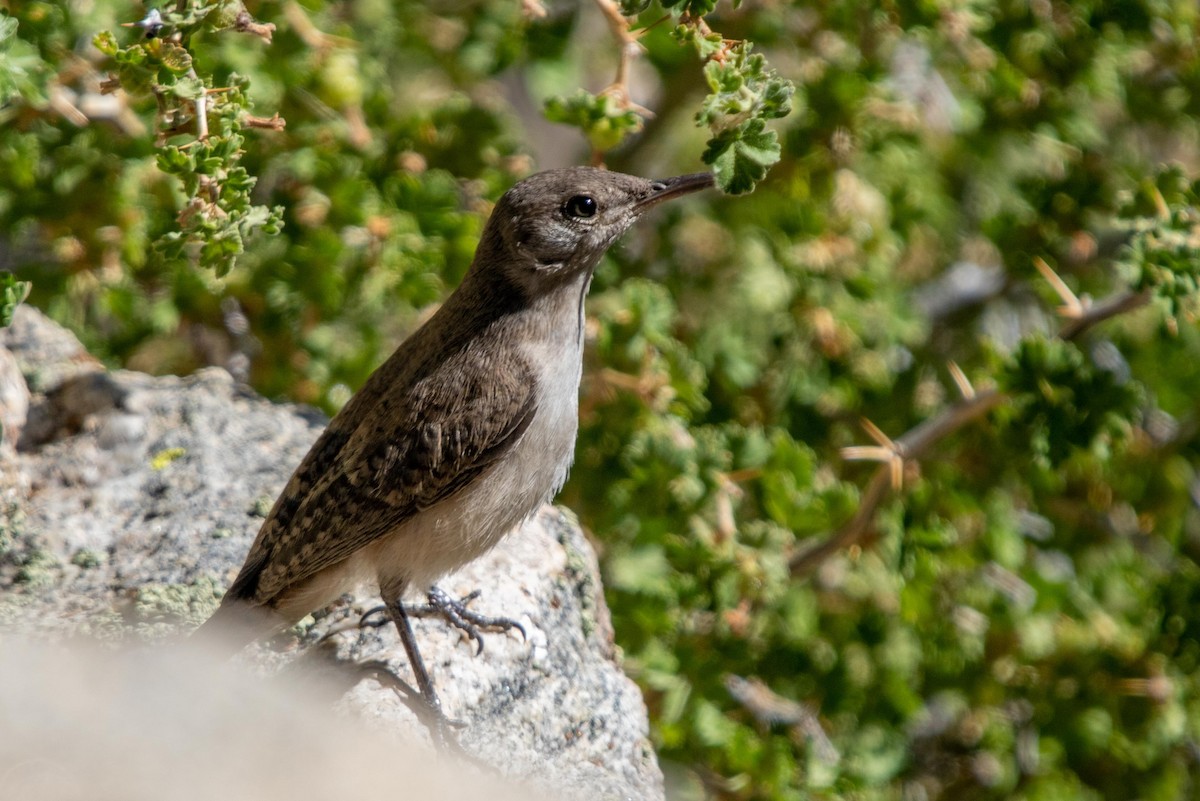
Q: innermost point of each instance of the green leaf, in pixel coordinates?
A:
(174, 161)
(187, 88)
(23, 73)
(706, 44)
(740, 157)
(132, 56)
(106, 43)
(12, 292)
(174, 57)
(1163, 253)
(1065, 400)
(744, 93)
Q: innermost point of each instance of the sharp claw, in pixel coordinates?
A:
(457, 613)
(364, 623)
(454, 611)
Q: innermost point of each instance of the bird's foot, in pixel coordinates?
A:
(458, 614)
(456, 611)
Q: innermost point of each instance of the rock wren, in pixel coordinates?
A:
(464, 432)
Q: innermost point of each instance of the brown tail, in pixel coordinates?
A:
(236, 624)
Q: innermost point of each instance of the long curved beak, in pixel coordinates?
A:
(669, 188)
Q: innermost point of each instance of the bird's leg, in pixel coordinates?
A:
(456, 612)
(441, 728)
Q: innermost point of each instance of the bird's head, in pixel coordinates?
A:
(557, 224)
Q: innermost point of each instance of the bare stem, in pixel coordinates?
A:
(201, 109)
(627, 41)
(1097, 313)
(300, 24)
(770, 708)
(912, 445)
(272, 123)
(247, 24)
(921, 438)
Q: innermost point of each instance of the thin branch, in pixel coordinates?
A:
(911, 446)
(920, 438)
(965, 389)
(247, 24)
(886, 452)
(533, 9)
(770, 708)
(300, 24)
(62, 102)
(629, 50)
(1099, 312)
(917, 441)
(272, 123)
(1073, 308)
(201, 109)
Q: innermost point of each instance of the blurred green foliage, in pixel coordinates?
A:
(1018, 621)
(600, 117)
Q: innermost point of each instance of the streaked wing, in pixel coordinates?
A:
(410, 452)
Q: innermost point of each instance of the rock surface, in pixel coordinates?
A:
(129, 502)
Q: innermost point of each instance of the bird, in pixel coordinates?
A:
(462, 434)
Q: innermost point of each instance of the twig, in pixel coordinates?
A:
(62, 101)
(630, 49)
(308, 32)
(918, 440)
(272, 123)
(769, 708)
(1073, 308)
(965, 389)
(912, 445)
(533, 9)
(247, 24)
(201, 109)
(1099, 312)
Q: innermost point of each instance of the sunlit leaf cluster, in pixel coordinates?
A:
(199, 133)
(1163, 223)
(601, 118)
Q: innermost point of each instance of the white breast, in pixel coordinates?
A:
(447, 536)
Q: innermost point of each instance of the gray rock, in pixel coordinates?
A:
(14, 400)
(46, 352)
(133, 500)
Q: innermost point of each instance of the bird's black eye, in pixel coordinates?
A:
(580, 206)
